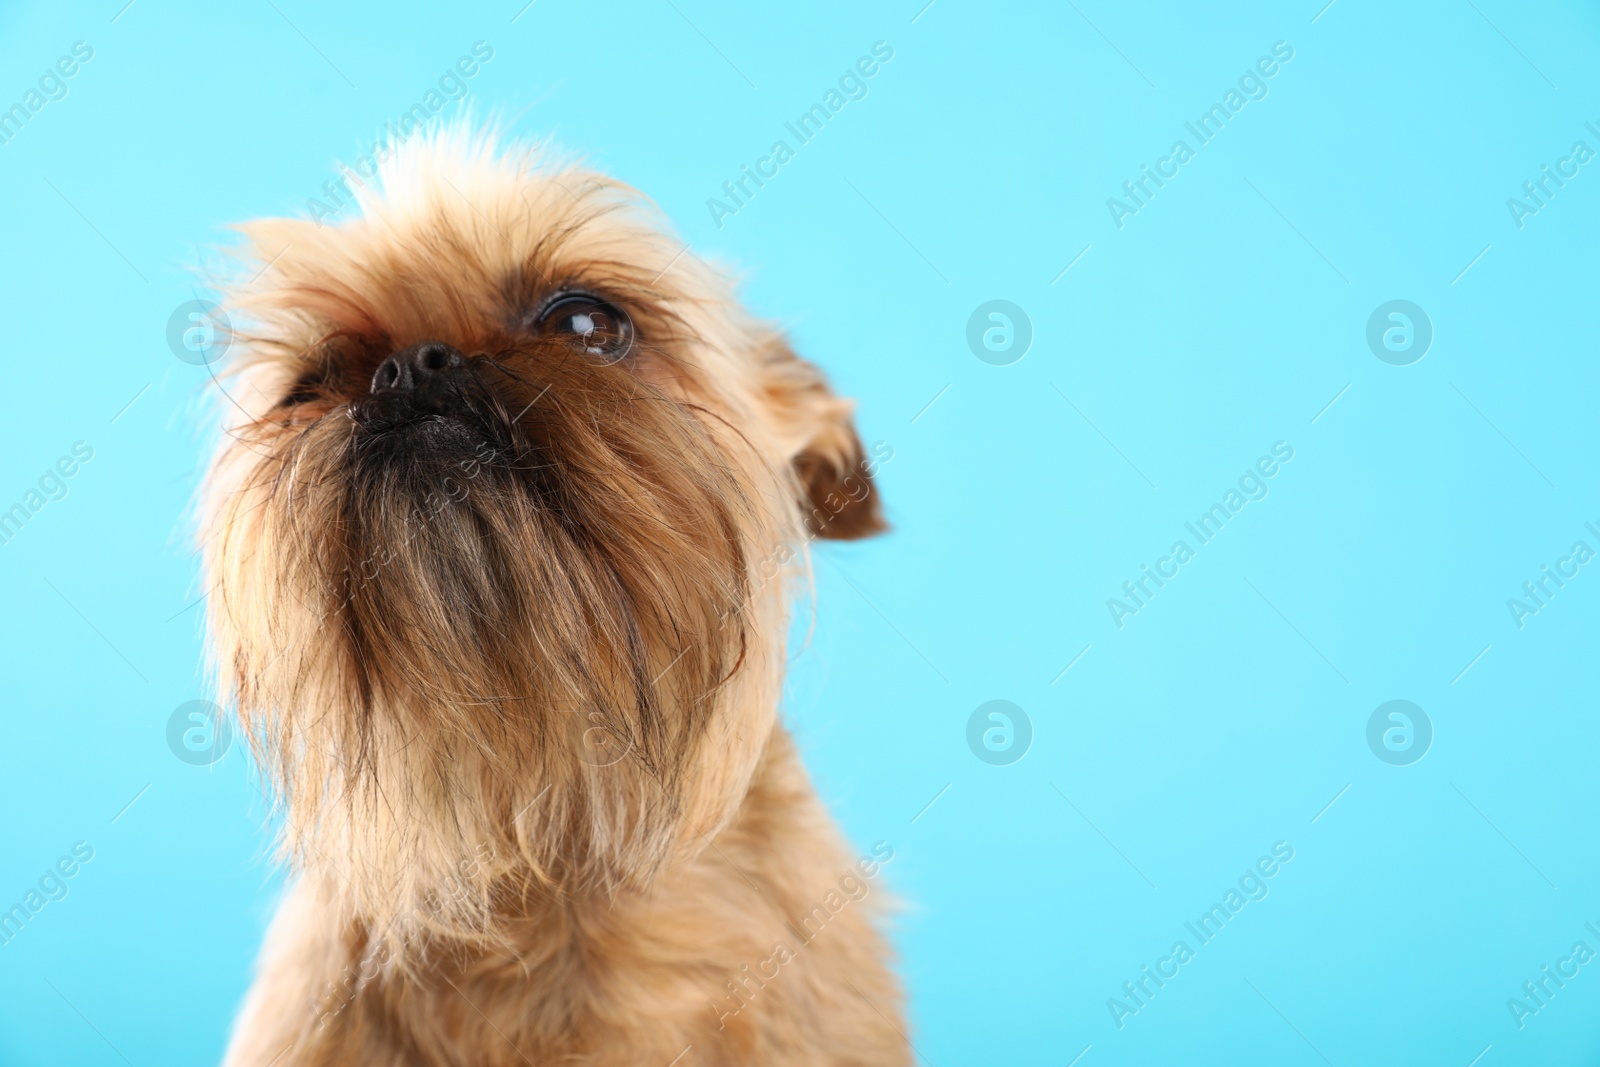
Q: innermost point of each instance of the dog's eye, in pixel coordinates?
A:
(600, 329)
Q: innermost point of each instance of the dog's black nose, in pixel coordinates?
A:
(412, 368)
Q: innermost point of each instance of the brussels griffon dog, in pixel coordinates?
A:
(496, 540)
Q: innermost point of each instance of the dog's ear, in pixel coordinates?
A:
(833, 471)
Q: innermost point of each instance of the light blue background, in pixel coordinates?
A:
(1222, 318)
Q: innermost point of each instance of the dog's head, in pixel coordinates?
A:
(495, 533)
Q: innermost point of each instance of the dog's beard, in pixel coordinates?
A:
(486, 652)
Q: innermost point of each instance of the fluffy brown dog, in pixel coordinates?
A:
(496, 541)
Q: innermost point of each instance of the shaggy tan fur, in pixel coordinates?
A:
(514, 670)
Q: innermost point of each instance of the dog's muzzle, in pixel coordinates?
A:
(430, 385)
